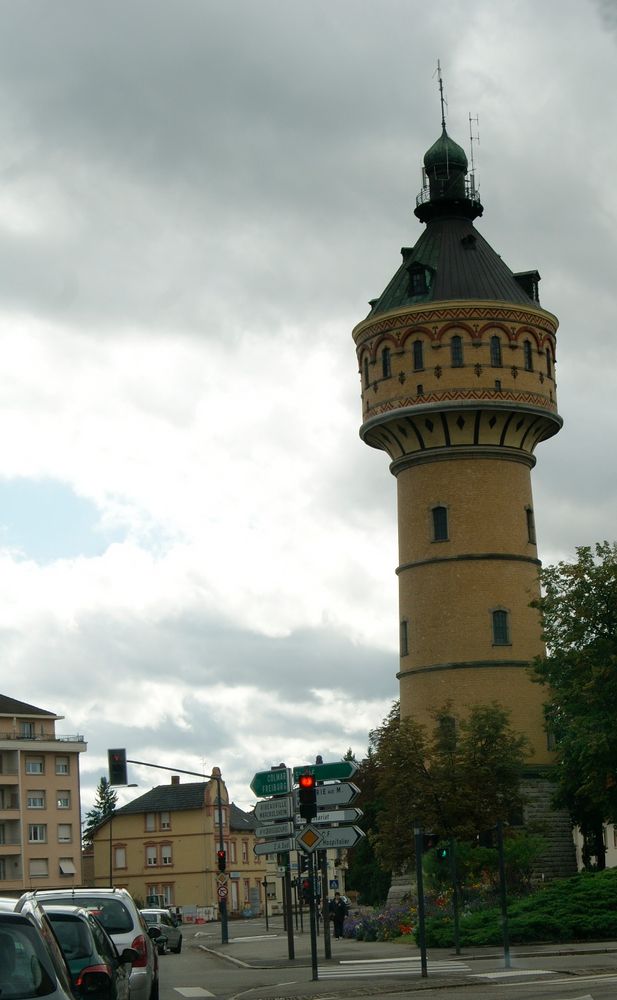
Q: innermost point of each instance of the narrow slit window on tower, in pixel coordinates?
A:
(495, 352)
(365, 370)
(527, 354)
(548, 362)
(418, 356)
(440, 524)
(456, 351)
(404, 637)
(531, 525)
(501, 628)
(386, 363)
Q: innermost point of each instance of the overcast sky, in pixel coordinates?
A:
(197, 200)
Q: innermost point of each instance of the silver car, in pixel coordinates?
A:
(31, 963)
(170, 932)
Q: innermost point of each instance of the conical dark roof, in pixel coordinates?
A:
(451, 260)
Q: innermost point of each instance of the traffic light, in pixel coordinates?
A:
(307, 796)
(221, 859)
(429, 840)
(116, 761)
(303, 864)
(306, 890)
(442, 853)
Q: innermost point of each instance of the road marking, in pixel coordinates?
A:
(513, 972)
(365, 968)
(192, 991)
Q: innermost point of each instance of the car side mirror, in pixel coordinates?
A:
(129, 955)
(154, 933)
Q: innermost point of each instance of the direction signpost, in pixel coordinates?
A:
(275, 846)
(342, 770)
(338, 815)
(275, 830)
(277, 781)
(340, 836)
(273, 809)
(340, 793)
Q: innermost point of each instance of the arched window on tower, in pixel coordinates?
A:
(501, 628)
(386, 363)
(418, 356)
(549, 370)
(527, 354)
(440, 523)
(365, 370)
(495, 352)
(456, 351)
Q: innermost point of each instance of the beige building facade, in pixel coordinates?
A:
(164, 845)
(40, 823)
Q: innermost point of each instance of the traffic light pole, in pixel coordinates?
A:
(213, 777)
(323, 865)
(420, 888)
(291, 951)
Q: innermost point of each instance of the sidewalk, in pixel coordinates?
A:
(251, 947)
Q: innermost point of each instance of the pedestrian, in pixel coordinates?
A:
(338, 912)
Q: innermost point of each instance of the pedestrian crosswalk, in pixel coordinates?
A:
(364, 969)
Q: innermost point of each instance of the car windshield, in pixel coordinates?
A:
(111, 913)
(25, 970)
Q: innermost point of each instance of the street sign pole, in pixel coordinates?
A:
(288, 910)
(325, 902)
(420, 888)
(313, 917)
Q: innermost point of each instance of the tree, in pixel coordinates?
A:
(364, 873)
(104, 805)
(455, 779)
(579, 612)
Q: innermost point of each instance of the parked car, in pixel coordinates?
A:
(31, 963)
(117, 911)
(97, 968)
(170, 932)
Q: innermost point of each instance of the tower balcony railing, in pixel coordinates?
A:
(472, 193)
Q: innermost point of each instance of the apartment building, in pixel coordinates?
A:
(40, 828)
(164, 845)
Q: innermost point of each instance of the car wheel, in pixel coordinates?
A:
(178, 947)
(154, 992)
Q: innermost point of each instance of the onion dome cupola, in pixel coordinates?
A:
(447, 189)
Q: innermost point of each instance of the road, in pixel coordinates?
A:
(253, 966)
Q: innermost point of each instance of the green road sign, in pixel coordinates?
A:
(275, 782)
(336, 769)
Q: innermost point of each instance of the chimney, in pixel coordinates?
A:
(175, 779)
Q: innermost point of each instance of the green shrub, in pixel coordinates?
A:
(581, 908)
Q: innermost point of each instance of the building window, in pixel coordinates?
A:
(26, 730)
(62, 765)
(403, 638)
(495, 352)
(65, 833)
(386, 363)
(151, 856)
(37, 833)
(35, 765)
(166, 856)
(528, 356)
(365, 370)
(232, 852)
(456, 352)
(67, 866)
(418, 356)
(150, 822)
(548, 362)
(63, 799)
(501, 628)
(440, 524)
(165, 821)
(38, 867)
(119, 857)
(245, 852)
(36, 799)
(531, 525)
(418, 281)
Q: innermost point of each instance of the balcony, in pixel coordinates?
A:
(42, 737)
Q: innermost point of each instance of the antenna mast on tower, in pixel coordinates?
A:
(473, 138)
(444, 103)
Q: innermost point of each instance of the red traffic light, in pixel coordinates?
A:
(221, 858)
(306, 781)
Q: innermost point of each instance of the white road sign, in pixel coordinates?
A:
(338, 815)
(273, 809)
(275, 846)
(275, 830)
(340, 836)
(337, 793)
